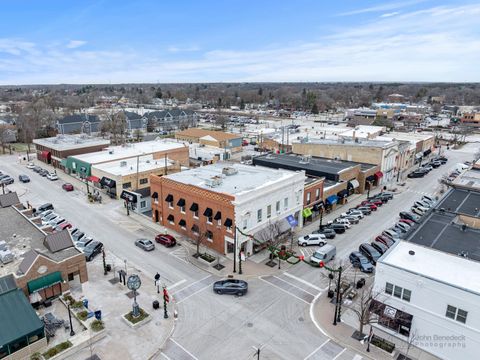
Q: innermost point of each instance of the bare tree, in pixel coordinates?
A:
(199, 238)
(4, 130)
(138, 134)
(364, 307)
(116, 124)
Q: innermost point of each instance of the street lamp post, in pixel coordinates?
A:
(321, 219)
(72, 333)
(336, 317)
(235, 250)
(240, 263)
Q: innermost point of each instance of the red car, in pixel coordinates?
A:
(384, 240)
(165, 239)
(63, 226)
(407, 221)
(376, 202)
(67, 187)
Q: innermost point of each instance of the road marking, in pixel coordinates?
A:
(195, 292)
(278, 287)
(304, 281)
(176, 284)
(186, 287)
(165, 356)
(289, 283)
(181, 347)
(340, 353)
(312, 317)
(177, 254)
(357, 357)
(314, 351)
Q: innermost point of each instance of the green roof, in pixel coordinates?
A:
(17, 317)
(44, 281)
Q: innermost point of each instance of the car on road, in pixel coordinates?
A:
(145, 244)
(369, 252)
(81, 244)
(166, 240)
(52, 176)
(409, 216)
(338, 228)
(357, 259)
(37, 169)
(92, 250)
(7, 180)
(312, 239)
(230, 286)
(380, 247)
(365, 210)
(23, 178)
(427, 167)
(385, 240)
(30, 165)
(67, 187)
(329, 233)
(416, 174)
(77, 235)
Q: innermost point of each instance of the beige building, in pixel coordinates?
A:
(219, 139)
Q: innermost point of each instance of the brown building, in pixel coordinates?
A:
(55, 150)
(471, 119)
(44, 263)
(219, 139)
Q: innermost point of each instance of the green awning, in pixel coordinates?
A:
(63, 162)
(307, 212)
(44, 282)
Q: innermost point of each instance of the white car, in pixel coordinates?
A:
(422, 204)
(355, 212)
(312, 239)
(419, 210)
(391, 234)
(52, 176)
(428, 199)
(80, 244)
(345, 222)
(30, 165)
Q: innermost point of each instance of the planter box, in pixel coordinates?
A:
(137, 325)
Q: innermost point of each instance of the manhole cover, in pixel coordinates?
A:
(301, 319)
(249, 324)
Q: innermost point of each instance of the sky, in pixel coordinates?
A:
(182, 41)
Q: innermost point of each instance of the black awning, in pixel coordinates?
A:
(128, 196)
(169, 198)
(181, 202)
(194, 207)
(349, 185)
(155, 195)
(228, 222)
(342, 193)
(318, 206)
(208, 212)
(218, 215)
(195, 229)
(108, 182)
(370, 178)
(170, 217)
(182, 222)
(427, 152)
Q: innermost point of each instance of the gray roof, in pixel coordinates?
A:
(28, 260)
(7, 283)
(79, 118)
(132, 116)
(462, 201)
(58, 241)
(9, 199)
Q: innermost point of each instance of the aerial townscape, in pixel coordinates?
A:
(208, 180)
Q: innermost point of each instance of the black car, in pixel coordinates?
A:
(338, 228)
(23, 178)
(329, 233)
(231, 286)
(442, 159)
(369, 252)
(360, 261)
(78, 235)
(416, 174)
(435, 163)
(44, 207)
(408, 216)
(92, 249)
(381, 248)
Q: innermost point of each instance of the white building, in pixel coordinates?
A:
(430, 299)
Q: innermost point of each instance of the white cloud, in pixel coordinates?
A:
(383, 7)
(176, 49)
(73, 44)
(390, 14)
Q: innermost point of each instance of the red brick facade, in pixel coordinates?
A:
(313, 193)
(162, 211)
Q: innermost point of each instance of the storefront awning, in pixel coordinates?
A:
(128, 196)
(169, 198)
(353, 184)
(170, 217)
(218, 215)
(63, 163)
(94, 179)
(307, 212)
(208, 212)
(343, 193)
(378, 175)
(194, 207)
(228, 222)
(155, 195)
(318, 206)
(44, 282)
(46, 155)
(108, 182)
(370, 178)
(181, 202)
(332, 199)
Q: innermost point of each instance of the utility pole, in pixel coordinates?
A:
(138, 164)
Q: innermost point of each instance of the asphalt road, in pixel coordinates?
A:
(274, 315)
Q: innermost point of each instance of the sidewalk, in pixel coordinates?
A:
(323, 312)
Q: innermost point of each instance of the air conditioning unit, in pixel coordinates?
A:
(228, 171)
(123, 163)
(214, 181)
(305, 159)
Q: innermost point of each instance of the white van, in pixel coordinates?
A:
(326, 253)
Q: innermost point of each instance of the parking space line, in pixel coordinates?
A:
(278, 287)
(314, 351)
(340, 353)
(289, 283)
(303, 281)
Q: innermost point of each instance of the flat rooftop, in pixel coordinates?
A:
(437, 265)
(441, 231)
(469, 179)
(346, 142)
(69, 142)
(129, 166)
(248, 178)
(113, 153)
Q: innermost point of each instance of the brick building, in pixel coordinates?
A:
(219, 139)
(214, 201)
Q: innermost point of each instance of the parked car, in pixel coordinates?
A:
(416, 174)
(428, 198)
(409, 216)
(67, 187)
(52, 176)
(360, 261)
(375, 201)
(368, 205)
(166, 240)
(92, 250)
(57, 221)
(312, 239)
(3, 176)
(230, 286)
(63, 226)
(329, 233)
(380, 247)
(387, 194)
(435, 164)
(74, 230)
(423, 204)
(324, 254)
(391, 234)
(385, 240)
(427, 167)
(7, 180)
(30, 165)
(82, 243)
(365, 210)
(23, 178)
(49, 217)
(343, 221)
(78, 235)
(369, 252)
(403, 226)
(354, 212)
(338, 228)
(37, 169)
(145, 244)
(43, 172)
(418, 211)
(400, 230)
(44, 213)
(407, 221)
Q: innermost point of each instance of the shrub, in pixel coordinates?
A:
(143, 315)
(82, 315)
(97, 325)
(68, 298)
(57, 349)
(77, 304)
(36, 356)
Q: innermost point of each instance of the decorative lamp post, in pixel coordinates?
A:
(240, 272)
(134, 283)
(166, 300)
(72, 333)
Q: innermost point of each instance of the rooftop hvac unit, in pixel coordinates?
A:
(214, 181)
(305, 159)
(123, 163)
(228, 171)
(110, 152)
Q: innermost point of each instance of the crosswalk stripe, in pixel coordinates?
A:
(303, 281)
